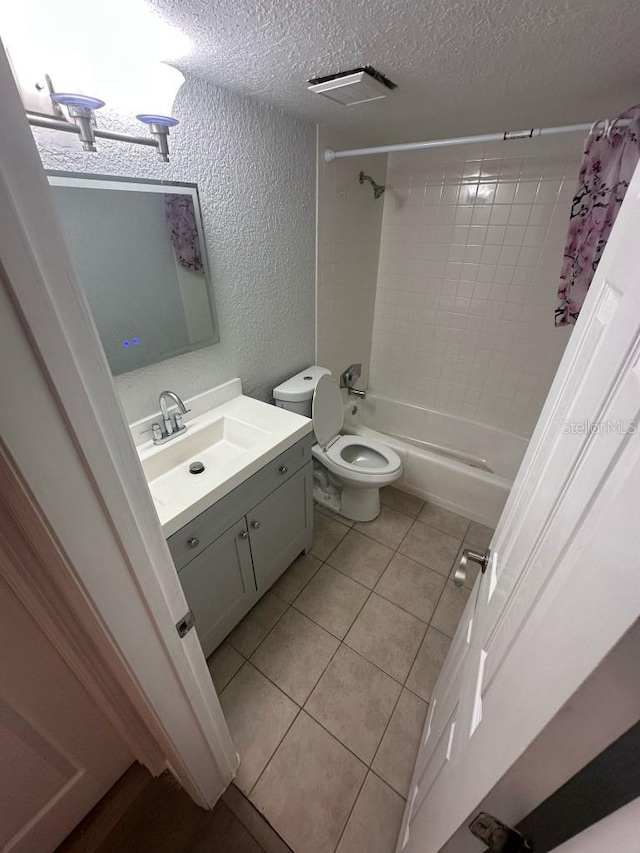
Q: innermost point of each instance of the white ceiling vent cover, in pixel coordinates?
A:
(352, 88)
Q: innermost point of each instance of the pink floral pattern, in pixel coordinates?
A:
(607, 167)
(181, 219)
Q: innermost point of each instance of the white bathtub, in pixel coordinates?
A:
(461, 465)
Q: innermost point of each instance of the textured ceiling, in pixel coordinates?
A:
(462, 66)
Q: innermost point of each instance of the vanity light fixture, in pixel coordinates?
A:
(81, 108)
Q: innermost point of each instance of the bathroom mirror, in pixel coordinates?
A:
(138, 250)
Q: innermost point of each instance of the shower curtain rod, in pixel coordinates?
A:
(330, 154)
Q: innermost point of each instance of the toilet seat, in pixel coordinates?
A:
(335, 461)
(352, 457)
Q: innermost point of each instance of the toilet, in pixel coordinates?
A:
(349, 470)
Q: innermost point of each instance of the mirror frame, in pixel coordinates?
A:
(89, 180)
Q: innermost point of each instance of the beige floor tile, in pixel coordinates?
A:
(449, 610)
(309, 787)
(426, 669)
(361, 558)
(387, 636)
(411, 586)
(478, 536)
(327, 533)
(471, 571)
(293, 581)
(258, 716)
(354, 701)
(431, 547)
(323, 510)
(443, 519)
(402, 501)
(255, 626)
(332, 600)
(374, 823)
(397, 753)
(223, 665)
(389, 527)
(295, 654)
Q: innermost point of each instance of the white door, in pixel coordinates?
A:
(59, 752)
(561, 587)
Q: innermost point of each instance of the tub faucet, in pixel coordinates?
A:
(348, 379)
(172, 426)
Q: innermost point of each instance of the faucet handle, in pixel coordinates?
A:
(350, 376)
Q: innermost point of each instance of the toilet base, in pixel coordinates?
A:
(360, 504)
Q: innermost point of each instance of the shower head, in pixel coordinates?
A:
(378, 189)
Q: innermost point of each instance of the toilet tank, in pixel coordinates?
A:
(296, 394)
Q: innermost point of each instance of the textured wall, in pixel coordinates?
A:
(349, 223)
(255, 170)
(471, 249)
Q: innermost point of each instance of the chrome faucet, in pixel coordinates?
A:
(348, 379)
(172, 426)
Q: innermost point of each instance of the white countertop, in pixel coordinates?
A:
(180, 496)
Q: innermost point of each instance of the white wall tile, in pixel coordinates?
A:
(470, 254)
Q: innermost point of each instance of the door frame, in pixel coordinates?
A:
(66, 435)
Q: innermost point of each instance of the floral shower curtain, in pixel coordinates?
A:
(181, 219)
(608, 163)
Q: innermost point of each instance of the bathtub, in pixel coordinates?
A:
(459, 464)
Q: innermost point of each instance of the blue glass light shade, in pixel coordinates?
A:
(165, 121)
(71, 100)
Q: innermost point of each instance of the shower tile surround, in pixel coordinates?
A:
(349, 227)
(326, 682)
(470, 254)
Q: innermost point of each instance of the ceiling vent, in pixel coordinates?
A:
(353, 87)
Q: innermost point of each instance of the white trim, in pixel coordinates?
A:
(64, 428)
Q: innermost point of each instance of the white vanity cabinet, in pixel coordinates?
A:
(231, 553)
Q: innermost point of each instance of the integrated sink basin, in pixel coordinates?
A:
(232, 441)
(214, 444)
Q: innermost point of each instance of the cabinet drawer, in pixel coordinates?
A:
(196, 535)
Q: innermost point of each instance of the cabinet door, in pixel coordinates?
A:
(219, 585)
(281, 526)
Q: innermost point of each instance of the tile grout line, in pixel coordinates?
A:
(271, 757)
(341, 642)
(353, 805)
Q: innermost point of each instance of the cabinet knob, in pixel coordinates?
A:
(193, 542)
(283, 469)
(255, 524)
(243, 534)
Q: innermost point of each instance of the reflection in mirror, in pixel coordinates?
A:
(138, 250)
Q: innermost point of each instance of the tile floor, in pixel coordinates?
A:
(325, 683)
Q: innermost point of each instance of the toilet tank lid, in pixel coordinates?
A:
(301, 386)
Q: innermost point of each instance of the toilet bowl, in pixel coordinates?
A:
(351, 469)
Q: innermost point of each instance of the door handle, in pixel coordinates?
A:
(243, 534)
(468, 554)
(255, 524)
(193, 542)
(499, 837)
